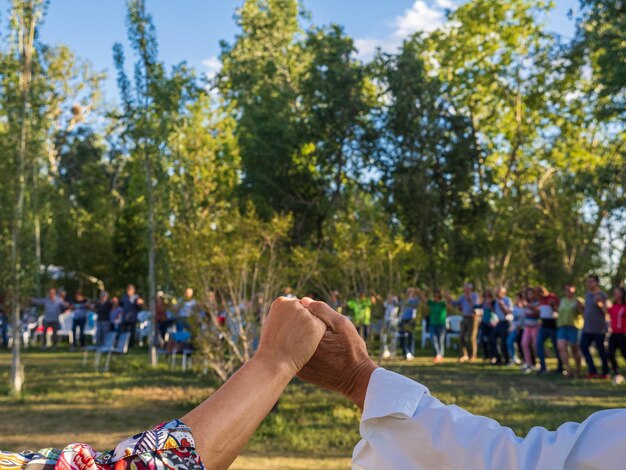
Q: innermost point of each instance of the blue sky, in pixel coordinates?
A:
(190, 30)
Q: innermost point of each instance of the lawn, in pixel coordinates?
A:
(64, 402)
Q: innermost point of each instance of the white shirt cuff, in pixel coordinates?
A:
(391, 394)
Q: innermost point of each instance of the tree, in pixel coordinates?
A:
(150, 108)
(26, 18)
(259, 78)
(499, 68)
(429, 161)
(334, 119)
(235, 260)
(601, 45)
(44, 90)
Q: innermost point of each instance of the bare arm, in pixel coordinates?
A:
(223, 423)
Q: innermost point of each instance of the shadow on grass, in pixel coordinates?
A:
(64, 401)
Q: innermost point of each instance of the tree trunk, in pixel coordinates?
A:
(151, 261)
(27, 23)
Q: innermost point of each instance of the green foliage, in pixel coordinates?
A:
(487, 150)
(601, 38)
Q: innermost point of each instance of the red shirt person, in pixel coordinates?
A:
(617, 341)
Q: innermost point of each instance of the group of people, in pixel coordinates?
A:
(510, 332)
(119, 314)
(403, 426)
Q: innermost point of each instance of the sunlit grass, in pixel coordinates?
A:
(64, 402)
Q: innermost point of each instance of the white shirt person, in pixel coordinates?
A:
(403, 427)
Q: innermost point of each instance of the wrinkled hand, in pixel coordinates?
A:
(341, 362)
(290, 335)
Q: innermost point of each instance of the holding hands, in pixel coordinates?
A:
(290, 335)
(341, 362)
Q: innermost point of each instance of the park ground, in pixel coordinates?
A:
(65, 402)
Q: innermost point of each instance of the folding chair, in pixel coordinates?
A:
(121, 347)
(109, 341)
(453, 327)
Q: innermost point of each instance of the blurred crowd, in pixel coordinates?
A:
(500, 330)
(522, 330)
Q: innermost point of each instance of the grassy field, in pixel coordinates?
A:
(64, 402)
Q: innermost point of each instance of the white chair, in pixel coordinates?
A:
(38, 332)
(453, 328)
(65, 329)
(109, 341)
(29, 324)
(186, 355)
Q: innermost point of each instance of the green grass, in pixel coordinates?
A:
(64, 402)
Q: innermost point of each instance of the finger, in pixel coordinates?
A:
(321, 310)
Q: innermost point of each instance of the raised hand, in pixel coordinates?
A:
(341, 362)
(289, 337)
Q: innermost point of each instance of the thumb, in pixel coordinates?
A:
(324, 312)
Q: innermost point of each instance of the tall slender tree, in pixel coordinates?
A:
(149, 111)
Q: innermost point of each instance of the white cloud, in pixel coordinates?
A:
(213, 65)
(446, 4)
(419, 17)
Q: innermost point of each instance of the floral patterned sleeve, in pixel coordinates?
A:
(168, 446)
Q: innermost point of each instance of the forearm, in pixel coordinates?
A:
(357, 388)
(223, 423)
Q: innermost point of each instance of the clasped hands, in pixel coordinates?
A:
(309, 339)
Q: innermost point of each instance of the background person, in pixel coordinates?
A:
(437, 314)
(468, 335)
(515, 330)
(488, 322)
(569, 323)
(407, 323)
(595, 328)
(116, 316)
(53, 306)
(362, 311)
(4, 324)
(531, 330)
(617, 340)
(548, 313)
(103, 309)
(80, 309)
(186, 310)
(162, 319)
(389, 334)
(499, 335)
(131, 305)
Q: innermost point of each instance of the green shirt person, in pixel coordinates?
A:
(570, 313)
(362, 310)
(437, 312)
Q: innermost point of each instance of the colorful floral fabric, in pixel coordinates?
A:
(169, 446)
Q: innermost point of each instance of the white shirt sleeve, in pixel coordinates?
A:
(403, 427)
